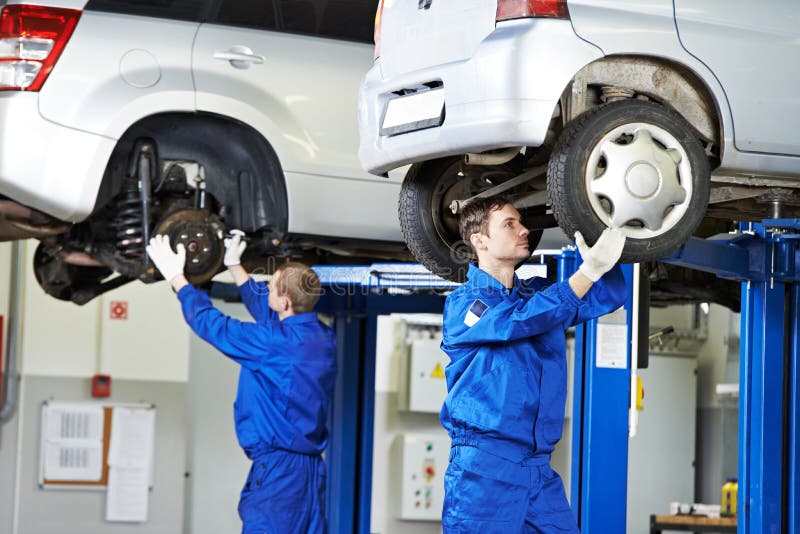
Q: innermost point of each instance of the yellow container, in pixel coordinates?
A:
(729, 495)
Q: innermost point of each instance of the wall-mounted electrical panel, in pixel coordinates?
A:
(423, 387)
(424, 459)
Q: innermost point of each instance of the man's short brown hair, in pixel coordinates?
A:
(474, 218)
(300, 283)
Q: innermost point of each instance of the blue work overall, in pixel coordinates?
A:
(288, 369)
(507, 384)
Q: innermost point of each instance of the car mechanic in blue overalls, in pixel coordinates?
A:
(288, 369)
(507, 376)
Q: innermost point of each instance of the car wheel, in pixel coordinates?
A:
(632, 164)
(429, 226)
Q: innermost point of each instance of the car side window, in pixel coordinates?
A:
(255, 14)
(349, 20)
(188, 10)
(300, 16)
(346, 20)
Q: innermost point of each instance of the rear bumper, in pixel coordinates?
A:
(504, 95)
(46, 166)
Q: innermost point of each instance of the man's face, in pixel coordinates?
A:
(507, 238)
(276, 302)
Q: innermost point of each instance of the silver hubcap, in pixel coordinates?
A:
(638, 177)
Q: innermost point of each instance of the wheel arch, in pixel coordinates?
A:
(666, 81)
(242, 169)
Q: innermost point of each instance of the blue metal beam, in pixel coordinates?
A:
(745, 407)
(793, 471)
(367, 418)
(341, 456)
(766, 423)
(726, 259)
(761, 423)
(599, 428)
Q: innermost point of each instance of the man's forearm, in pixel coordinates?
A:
(580, 284)
(240, 276)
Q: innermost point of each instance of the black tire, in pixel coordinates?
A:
(429, 227)
(576, 208)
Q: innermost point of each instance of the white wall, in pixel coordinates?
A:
(661, 455)
(717, 361)
(62, 339)
(64, 344)
(217, 466)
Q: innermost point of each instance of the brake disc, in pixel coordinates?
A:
(202, 234)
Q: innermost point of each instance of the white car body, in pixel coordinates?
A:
(503, 80)
(118, 69)
(659, 117)
(263, 100)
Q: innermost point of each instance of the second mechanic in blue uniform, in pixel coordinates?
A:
(288, 360)
(507, 378)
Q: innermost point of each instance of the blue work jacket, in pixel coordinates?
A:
(288, 369)
(507, 378)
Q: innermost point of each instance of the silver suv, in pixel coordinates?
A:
(654, 116)
(120, 119)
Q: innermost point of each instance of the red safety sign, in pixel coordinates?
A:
(119, 309)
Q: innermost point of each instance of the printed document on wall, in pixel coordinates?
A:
(130, 461)
(612, 340)
(73, 441)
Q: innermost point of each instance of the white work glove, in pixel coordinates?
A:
(234, 246)
(169, 263)
(600, 258)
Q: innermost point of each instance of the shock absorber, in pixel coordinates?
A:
(132, 220)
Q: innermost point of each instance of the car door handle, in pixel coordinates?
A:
(239, 56)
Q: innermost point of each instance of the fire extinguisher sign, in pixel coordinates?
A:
(118, 310)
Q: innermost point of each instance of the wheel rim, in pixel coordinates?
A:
(638, 177)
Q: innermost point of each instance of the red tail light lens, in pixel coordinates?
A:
(377, 34)
(31, 40)
(518, 9)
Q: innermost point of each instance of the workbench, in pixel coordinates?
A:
(691, 523)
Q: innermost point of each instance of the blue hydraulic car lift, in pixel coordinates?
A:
(765, 257)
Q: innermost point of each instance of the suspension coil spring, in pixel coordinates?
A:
(127, 223)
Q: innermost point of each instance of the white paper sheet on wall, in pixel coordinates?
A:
(612, 340)
(128, 494)
(130, 461)
(612, 346)
(73, 442)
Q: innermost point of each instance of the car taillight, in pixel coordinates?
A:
(377, 34)
(518, 9)
(31, 39)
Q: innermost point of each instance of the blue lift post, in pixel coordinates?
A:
(355, 296)
(764, 256)
(601, 399)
